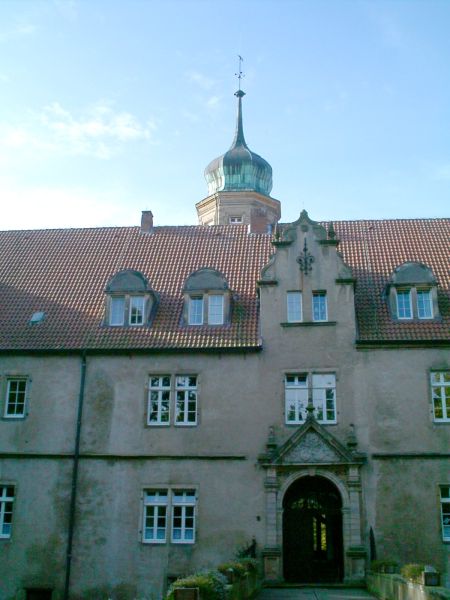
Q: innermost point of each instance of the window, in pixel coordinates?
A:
(424, 304)
(161, 392)
(321, 387)
(183, 516)
(215, 309)
(440, 393)
(294, 307)
(186, 400)
(320, 312)
(155, 516)
(6, 510)
(235, 220)
(117, 310)
(196, 310)
(159, 400)
(137, 304)
(445, 512)
(404, 306)
(176, 506)
(130, 299)
(16, 398)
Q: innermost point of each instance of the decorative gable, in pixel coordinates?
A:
(312, 444)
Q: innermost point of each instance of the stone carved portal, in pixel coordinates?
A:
(312, 532)
(313, 508)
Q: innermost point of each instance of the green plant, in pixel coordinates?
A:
(384, 566)
(237, 566)
(251, 564)
(212, 585)
(413, 572)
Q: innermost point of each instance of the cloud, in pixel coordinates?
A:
(98, 131)
(21, 30)
(204, 82)
(54, 207)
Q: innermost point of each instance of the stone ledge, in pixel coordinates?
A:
(394, 587)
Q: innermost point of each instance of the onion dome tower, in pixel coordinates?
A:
(239, 186)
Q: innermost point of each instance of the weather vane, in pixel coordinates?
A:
(240, 74)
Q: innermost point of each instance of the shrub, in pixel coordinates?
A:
(237, 566)
(250, 564)
(212, 585)
(413, 572)
(383, 566)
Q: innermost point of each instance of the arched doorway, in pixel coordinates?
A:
(312, 532)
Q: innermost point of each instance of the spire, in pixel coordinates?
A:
(239, 139)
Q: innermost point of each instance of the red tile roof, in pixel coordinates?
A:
(64, 273)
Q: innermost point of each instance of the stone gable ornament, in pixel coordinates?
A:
(305, 260)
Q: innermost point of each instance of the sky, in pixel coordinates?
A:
(111, 107)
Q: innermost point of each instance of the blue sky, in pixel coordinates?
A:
(111, 107)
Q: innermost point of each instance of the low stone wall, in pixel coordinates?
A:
(243, 588)
(394, 587)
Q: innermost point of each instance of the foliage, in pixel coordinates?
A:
(413, 572)
(237, 566)
(383, 566)
(251, 564)
(212, 585)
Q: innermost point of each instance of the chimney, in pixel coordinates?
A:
(258, 221)
(147, 221)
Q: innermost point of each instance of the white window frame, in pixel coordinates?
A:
(236, 220)
(196, 316)
(135, 301)
(14, 401)
(184, 501)
(444, 494)
(215, 312)
(185, 399)
(427, 304)
(156, 508)
(402, 309)
(319, 295)
(6, 508)
(440, 395)
(294, 307)
(156, 393)
(297, 392)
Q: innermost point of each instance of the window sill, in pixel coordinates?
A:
(308, 323)
(18, 418)
(296, 424)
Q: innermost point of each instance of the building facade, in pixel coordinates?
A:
(171, 395)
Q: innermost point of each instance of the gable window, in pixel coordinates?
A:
(321, 388)
(440, 393)
(445, 512)
(162, 506)
(412, 292)
(215, 309)
(424, 304)
(186, 400)
(207, 298)
(294, 307)
(404, 306)
(130, 300)
(235, 220)
(16, 398)
(319, 306)
(196, 310)
(159, 400)
(155, 516)
(6, 510)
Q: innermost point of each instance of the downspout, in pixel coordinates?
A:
(76, 458)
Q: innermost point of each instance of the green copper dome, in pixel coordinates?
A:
(239, 168)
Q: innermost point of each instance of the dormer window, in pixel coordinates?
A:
(130, 300)
(412, 293)
(207, 298)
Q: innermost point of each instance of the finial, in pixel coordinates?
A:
(239, 74)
